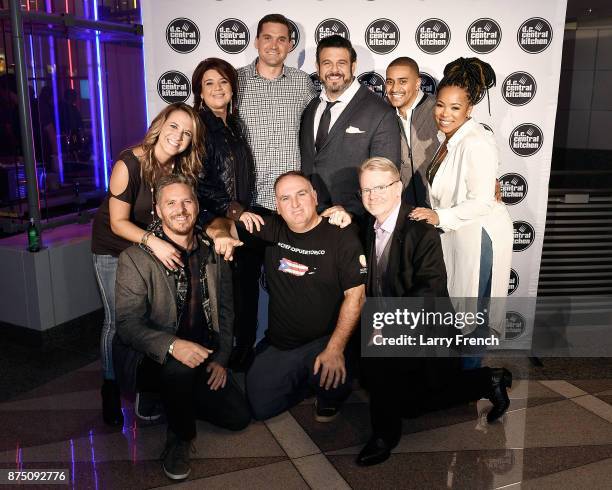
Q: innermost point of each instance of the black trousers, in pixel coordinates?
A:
(403, 387)
(246, 272)
(279, 379)
(186, 397)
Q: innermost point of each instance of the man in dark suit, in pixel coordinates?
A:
(343, 127)
(419, 133)
(405, 260)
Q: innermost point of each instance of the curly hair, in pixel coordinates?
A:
(472, 74)
(188, 163)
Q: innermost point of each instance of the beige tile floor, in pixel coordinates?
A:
(557, 434)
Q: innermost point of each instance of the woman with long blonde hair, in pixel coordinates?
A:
(173, 144)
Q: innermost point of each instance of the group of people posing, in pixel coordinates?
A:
(338, 197)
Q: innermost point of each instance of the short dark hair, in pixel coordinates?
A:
(336, 41)
(407, 62)
(274, 19)
(171, 179)
(291, 173)
(225, 69)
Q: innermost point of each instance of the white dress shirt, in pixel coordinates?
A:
(336, 109)
(406, 121)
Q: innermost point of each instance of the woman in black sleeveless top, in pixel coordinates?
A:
(173, 143)
(226, 184)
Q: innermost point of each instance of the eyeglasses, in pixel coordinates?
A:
(379, 189)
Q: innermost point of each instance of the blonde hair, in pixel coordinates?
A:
(188, 162)
(382, 164)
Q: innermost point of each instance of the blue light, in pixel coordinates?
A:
(144, 74)
(101, 99)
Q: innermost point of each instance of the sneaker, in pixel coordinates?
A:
(325, 414)
(148, 405)
(176, 457)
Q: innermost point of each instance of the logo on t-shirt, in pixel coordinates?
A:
(433, 36)
(294, 34)
(483, 36)
(373, 81)
(331, 27)
(364, 264)
(534, 35)
(291, 267)
(173, 86)
(518, 88)
(232, 36)
(428, 83)
(182, 35)
(382, 36)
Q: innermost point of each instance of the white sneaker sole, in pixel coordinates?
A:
(148, 418)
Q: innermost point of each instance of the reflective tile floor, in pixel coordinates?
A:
(557, 435)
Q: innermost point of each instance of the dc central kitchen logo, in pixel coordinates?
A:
(526, 139)
(515, 325)
(483, 36)
(182, 35)
(294, 34)
(518, 88)
(433, 36)
(513, 283)
(382, 36)
(428, 83)
(173, 86)
(534, 35)
(524, 234)
(373, 81)
(513, 188)
(232, 36)
(316, 82)
(331, 27)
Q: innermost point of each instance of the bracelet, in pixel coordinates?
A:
(145, 238)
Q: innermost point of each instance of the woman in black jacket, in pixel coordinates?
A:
(226, 183)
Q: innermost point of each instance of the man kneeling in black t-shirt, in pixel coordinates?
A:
(316, 273)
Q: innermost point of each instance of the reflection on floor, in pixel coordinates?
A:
(557, 434)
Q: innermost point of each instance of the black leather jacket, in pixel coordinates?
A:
(225, 185)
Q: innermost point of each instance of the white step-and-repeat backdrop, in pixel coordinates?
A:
(521, 39)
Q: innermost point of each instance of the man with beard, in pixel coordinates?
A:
(419, 134)
(343, 127)
(174, 328)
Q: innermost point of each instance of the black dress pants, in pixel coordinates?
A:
(186, 397)
(246, 271)
(408, 387)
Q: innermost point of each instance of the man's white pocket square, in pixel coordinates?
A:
(353, 130)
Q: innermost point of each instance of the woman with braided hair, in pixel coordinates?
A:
(478, 235)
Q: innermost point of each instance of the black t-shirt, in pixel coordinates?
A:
(307, 274)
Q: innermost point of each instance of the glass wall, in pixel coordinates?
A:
(87, 103)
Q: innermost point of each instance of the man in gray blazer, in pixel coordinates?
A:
(343, 127)
(417, 127)
(174, 327)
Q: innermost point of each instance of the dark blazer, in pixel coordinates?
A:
(333, 170)
(416, 158)
(416, 265)
(146, 313)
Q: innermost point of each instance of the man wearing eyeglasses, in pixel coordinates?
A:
(405, 260)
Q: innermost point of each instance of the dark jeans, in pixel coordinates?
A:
(403, 387)
(279, 379)
(246, 270)
(187, 397)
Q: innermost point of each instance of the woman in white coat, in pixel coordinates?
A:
(477, 238)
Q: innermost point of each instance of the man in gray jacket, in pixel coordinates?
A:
(174, 327)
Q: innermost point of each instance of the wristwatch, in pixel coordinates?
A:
(171, 348)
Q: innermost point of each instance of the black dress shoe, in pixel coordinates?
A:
(375, 451)
(501, 379)
(111, 403)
